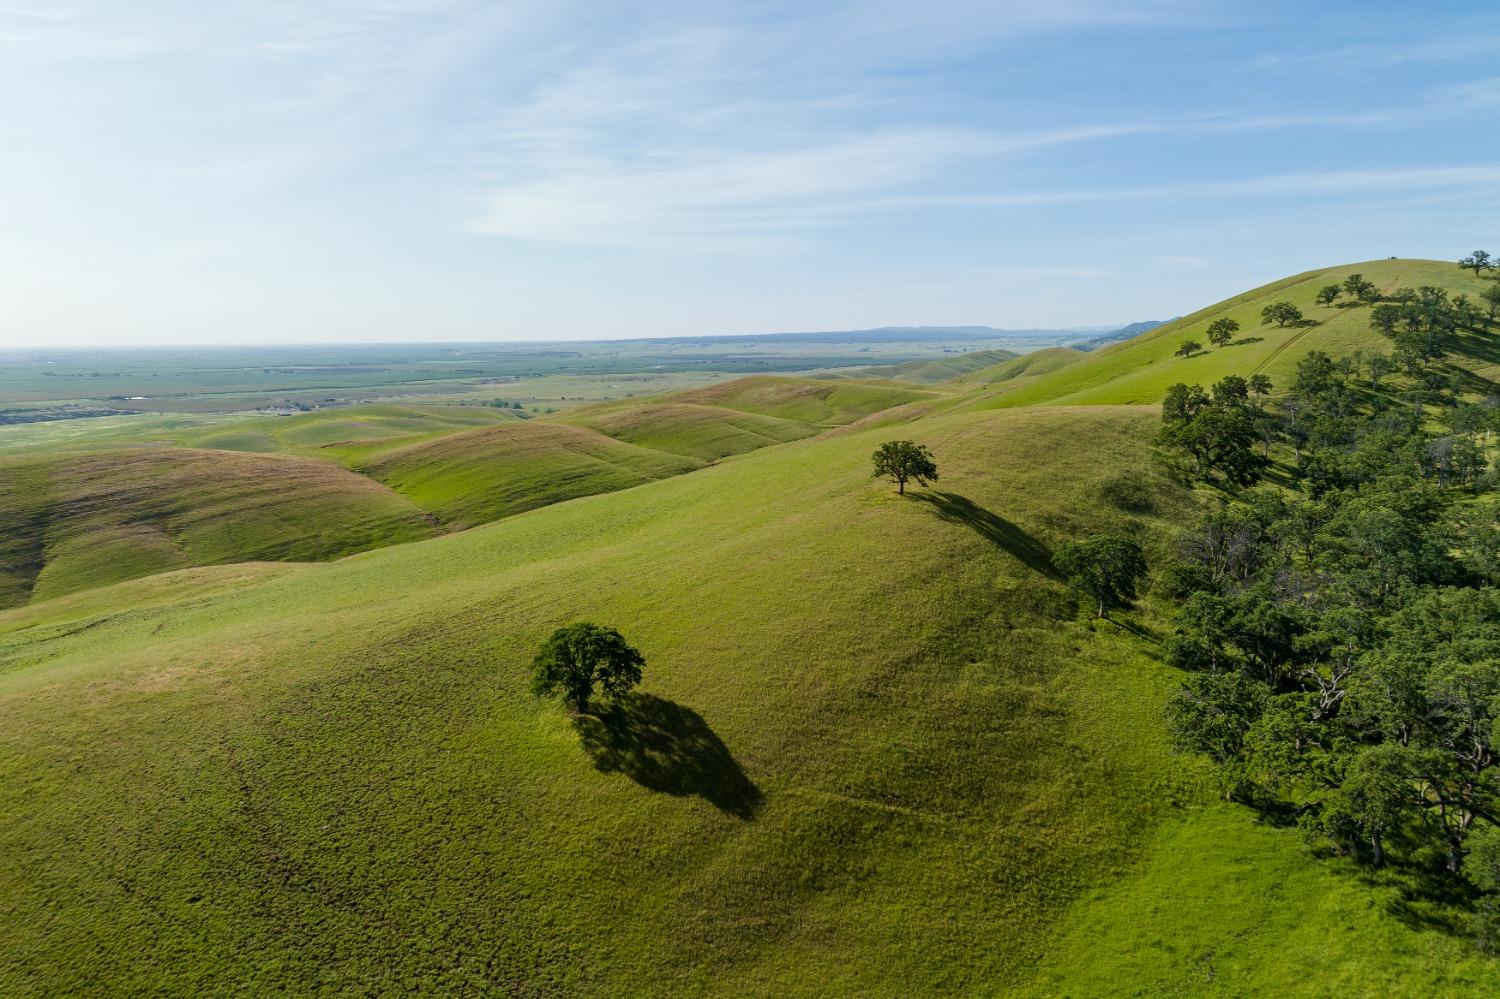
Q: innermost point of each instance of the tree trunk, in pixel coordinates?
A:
(1378, 848)
(900, 487)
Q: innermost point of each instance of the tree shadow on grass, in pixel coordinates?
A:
(666, 747)
(991, 526)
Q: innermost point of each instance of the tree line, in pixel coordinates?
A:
(1341, 638)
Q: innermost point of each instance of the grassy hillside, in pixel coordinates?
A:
(78, 521)
(475, 477)
(702, 432)
(390, 426)
(373, 796)
(1140, 370)
(1038, 362)
(941, 370)
(303, 433)
(823, 402)
(848, 772)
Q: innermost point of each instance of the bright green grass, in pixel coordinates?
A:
(334, 778)
(1226, 907)
(1140, 370)
(894, 762)
(824, 402)
(1038, 362)
(83, 520)
(482, 475)
(703, 432)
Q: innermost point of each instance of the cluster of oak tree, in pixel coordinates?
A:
(1342, 637)
(1414, 318)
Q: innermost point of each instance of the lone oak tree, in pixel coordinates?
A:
(1280, 313)
(1221, 331)
(581, 656)
(903, 461)
(1105, 566)
(1477, 261)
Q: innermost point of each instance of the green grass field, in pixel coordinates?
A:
(703, 432)
(79, 521)
(879, 749)
(479, 476)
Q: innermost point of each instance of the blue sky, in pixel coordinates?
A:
(359, 170)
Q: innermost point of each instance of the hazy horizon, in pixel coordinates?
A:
(394, 171)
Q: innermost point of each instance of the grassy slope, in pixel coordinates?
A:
(369, 429)
(461, 465)
(308, 434)
(78, 521)
(1140, 370)
(863, 774)
(335, 776)
(702, 432)
(481, 475)
(941, 370)
(824, 402)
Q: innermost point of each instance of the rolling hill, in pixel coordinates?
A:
(1140, 370)
(847, 772)
(79, 521)
(481, 475)
(880, 749)
(702, 432)
(941, 370)
(821, 402)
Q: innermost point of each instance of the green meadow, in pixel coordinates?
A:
(266, 726)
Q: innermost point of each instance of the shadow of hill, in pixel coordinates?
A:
(666, 747)
(993, 527)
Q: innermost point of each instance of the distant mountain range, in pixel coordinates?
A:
(895, 334)
(1123, 333)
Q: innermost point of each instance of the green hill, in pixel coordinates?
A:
(848, 773)
(942, 370)
(880, 749)
(702, 432)
(481, 475)
(77, 521)
(1140, 370)
(822, 402)
(363, 430)
(1038, 362)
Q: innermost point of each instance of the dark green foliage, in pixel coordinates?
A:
(903, 461)
(1188, 348)
(1422, 323)
(1328, 293)
(1343, 639)
(1477, 262)
(1360, 289)
(1378, 366)
(1280, 313)
(1107, 567)
(1491, 296)
(580, 657)
(1217, 431)
(1221, 331)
